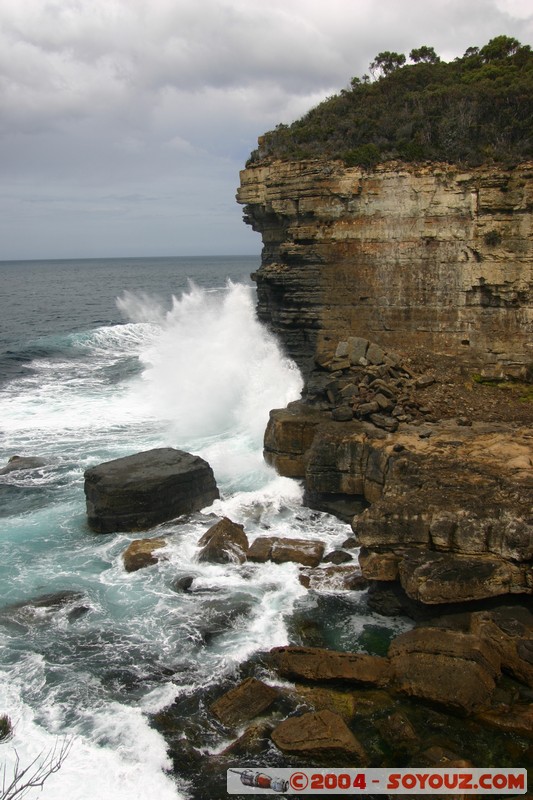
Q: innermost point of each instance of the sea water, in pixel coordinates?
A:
(100, 359)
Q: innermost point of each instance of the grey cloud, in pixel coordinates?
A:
(115, 111)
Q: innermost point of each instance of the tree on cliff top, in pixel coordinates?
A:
(473, 110)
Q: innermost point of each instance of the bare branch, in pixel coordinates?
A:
(36, 772)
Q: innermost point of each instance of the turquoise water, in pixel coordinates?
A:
(99, 359)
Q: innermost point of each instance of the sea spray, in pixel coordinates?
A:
(213, 373)
(200, 374)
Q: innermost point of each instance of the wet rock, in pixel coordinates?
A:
(317, 664)
(337, 557)
(225, 542)
(399, 733)
(350, 542)
(509, 631)
(451, 668)
(141, 553)
(288, 436)
(336, 578)
(182, 584)
(438, 756)
(253, 742)
(517, 720)
(342, 506)
(246, 701)
(40, 609)
(377, 566)
(319, 735)
(320, 698)
(432, 577)
(307, 552)
(16, 463)
(140, 491)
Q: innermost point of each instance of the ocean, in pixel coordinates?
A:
(99, 359)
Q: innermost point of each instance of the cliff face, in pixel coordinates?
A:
(449, 513)
(401, 265)
(428, 257)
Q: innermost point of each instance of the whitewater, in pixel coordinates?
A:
(195, 371)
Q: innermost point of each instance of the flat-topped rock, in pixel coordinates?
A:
(323, 734)
(279, 549)
(318, 664)
(142, 490)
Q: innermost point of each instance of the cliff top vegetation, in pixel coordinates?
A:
(476, 109)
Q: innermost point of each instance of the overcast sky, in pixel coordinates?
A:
(124, 123)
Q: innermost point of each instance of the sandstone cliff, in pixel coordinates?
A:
(409, 256)
(361, 270)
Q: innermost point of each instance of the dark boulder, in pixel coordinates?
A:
(37, 610)
(145, 489)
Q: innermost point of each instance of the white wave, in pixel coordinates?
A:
(214, 369)
(117, 756)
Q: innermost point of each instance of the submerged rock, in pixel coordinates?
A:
(40, 609)
(145, 489)
(16, 463)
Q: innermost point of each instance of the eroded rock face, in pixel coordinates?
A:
(450, 512)
(428, 256)
(452, 668)
(142, 490)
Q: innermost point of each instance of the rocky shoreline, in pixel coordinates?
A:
(456, 689)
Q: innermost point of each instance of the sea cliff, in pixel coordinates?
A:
(429, 266)
(428, 256)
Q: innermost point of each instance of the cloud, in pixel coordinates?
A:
(166, 98)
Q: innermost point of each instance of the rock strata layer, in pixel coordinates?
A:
(450, 511)
(145, 489)
(408, 256)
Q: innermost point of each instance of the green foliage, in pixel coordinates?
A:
(366, 155)
(387, 62)
(500, 47)
(476, 109)
(424, 53)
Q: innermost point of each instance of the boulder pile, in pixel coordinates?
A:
(363, 381)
